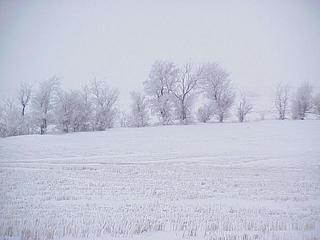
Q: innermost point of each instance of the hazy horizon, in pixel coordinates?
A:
(260, 43)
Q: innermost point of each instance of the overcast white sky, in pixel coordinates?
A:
(259, 42)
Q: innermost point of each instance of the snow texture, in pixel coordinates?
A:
(258, 180)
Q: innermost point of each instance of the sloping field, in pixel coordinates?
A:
(258, 180)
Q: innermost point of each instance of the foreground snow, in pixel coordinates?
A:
(258, 180)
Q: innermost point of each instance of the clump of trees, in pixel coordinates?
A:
(302, 101)
(170, 93)
(91, 109)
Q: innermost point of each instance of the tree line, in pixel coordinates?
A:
(169, 94)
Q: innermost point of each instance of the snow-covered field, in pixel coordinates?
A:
(258, 180)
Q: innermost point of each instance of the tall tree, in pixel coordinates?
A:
(24, 96)
(282, 100)
(183, 90)
(68, 110)
(43, 102)
(244, 107)
(104, 101)
(157, 88)
(139, 111)
(217, 86)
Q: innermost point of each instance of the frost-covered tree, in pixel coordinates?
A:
(43, 102)
(282, 100)
(14, 119)
(217, 86)
(124, 119)
(9, 118)
(316, 104)
(3, 126)
(139, 111)
(24, 99)
(183, 90)
(161, 79)
(302, 101)
(104, 101)
(2, 120)
(204, 113)
(244, 107)
(68, 111)
(24, 96)
(85, 117)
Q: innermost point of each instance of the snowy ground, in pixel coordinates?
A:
(258, 180)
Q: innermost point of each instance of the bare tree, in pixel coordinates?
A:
(216, 84)
(282, 100)
(244, 107)
(104, 101)
(161, 79)
(43, 102)
(139, 112)
(183, 90)
(302, 101)
(24, 96)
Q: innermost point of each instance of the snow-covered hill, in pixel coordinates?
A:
(257, 180)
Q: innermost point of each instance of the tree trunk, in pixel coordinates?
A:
(43, 127)
(183, 112)
(23, 109)
(221, 118)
